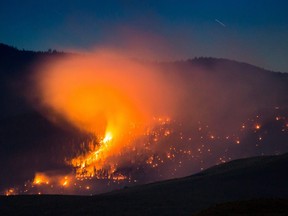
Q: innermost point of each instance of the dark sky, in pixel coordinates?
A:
(251, 31)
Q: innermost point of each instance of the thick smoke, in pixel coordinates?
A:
(106, 93)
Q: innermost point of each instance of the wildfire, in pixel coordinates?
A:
(106, 95)
(108, 137)
(132, 133)
(10, 191)
(160, 152)
(41, 178)
(65, 181)
(88, 164)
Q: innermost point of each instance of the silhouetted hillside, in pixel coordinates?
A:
(15, 66)
(255, 178)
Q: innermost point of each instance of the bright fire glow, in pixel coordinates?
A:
(41, 178)
(108, 137)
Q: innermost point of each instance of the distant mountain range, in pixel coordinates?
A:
(258, 178)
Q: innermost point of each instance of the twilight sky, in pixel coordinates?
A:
(251, 31)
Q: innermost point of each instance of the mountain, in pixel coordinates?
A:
(220, 93)
(258, 178)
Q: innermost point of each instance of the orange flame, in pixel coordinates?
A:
(41, 178)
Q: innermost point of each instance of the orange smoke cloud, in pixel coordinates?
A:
(105, 93)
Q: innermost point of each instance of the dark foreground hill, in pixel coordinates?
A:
(263, 179)
(258, 207)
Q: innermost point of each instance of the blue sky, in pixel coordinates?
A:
(255, 31)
